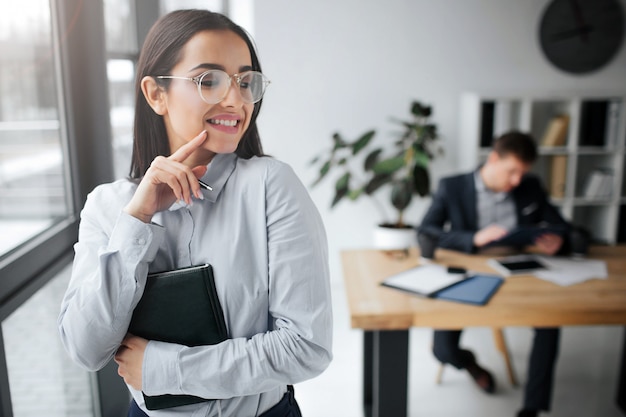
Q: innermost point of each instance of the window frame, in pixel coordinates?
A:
(80, 62)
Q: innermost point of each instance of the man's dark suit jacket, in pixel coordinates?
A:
(453, 218)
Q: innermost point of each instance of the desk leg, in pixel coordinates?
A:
(385, 373)
(621, 384)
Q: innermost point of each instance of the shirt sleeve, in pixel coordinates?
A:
(108, 275)
(298, 346)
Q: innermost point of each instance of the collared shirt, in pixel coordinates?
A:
(493, 207)
(265, 240)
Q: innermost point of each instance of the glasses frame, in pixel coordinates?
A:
(237, 77)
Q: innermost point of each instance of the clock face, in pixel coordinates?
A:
(580, 36)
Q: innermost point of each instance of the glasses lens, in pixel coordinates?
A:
(214, 86)
(252, 86)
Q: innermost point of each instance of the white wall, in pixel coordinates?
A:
(350, 65)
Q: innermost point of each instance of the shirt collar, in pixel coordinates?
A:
(218, 171)
(481, 187)
(478, 182)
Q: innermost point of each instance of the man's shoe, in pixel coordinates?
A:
(482, 377)
(527, 413)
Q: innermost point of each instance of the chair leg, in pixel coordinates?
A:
(440, 374)
(498, 336)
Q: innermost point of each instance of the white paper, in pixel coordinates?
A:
(567, 271)
(424, 279)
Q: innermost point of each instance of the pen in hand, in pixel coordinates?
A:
(205, 185)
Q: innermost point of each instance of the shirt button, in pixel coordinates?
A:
(141, 241)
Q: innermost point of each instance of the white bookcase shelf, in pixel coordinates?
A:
(582, 149)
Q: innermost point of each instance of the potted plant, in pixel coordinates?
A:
(401, 167)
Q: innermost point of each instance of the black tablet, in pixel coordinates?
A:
(517, 264)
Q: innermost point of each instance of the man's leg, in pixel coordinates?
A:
(538, 391)
(446, 349)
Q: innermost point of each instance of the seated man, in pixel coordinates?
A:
(471, 210)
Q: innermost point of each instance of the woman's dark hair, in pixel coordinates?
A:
(521, 145)
(161, 51)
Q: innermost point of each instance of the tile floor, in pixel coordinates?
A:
(586, 374)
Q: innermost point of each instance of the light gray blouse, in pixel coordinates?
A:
(265, 240)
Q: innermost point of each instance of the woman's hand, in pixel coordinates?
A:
(166, 181)
(129, 358)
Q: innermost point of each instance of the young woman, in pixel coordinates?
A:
(199, 91)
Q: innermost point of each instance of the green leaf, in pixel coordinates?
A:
(389, 166)
(342, 182)
(323, 171)
(371, 159)
(421, 180)
(362, 142)
(354, 194)
(325, 168)
(421, 157)
(418, 109)
(401, 194)
(342, 161)
(339, 194)
(339, 142)
(376, 182)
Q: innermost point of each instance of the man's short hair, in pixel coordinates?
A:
(521, 145)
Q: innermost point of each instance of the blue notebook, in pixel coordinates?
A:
(476, 289)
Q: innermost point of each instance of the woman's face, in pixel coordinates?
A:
(186, 114)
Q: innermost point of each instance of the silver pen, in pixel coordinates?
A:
(205, 185)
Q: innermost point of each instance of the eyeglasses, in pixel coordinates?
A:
(213, 85)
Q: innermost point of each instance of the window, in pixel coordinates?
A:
(54, 148)
(122, 55)
(33, 192)
(42, 378)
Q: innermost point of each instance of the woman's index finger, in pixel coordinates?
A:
(188, 148)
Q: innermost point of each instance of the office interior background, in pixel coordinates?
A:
(66, 110)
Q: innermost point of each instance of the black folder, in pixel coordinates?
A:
(179, 306)
(526, 235)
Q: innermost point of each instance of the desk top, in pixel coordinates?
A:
(522, 300)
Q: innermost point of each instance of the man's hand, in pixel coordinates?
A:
(549, 243)
(129, 358)
(489, 234)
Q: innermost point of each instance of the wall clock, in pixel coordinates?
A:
(581, 36)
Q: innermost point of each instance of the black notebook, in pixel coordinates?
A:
(179, 306)
(526, 235)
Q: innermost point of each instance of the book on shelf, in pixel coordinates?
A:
(556, 131)
(558, 176)
(599, 184)
(612, 123)
(593, 122)
(487, 119)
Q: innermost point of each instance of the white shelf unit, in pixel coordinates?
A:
(595, 142)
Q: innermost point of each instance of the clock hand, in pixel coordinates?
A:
(583, 31)
(578, 13)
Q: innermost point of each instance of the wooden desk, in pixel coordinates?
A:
(386, 315)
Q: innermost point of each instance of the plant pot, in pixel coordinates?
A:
(391, 237)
